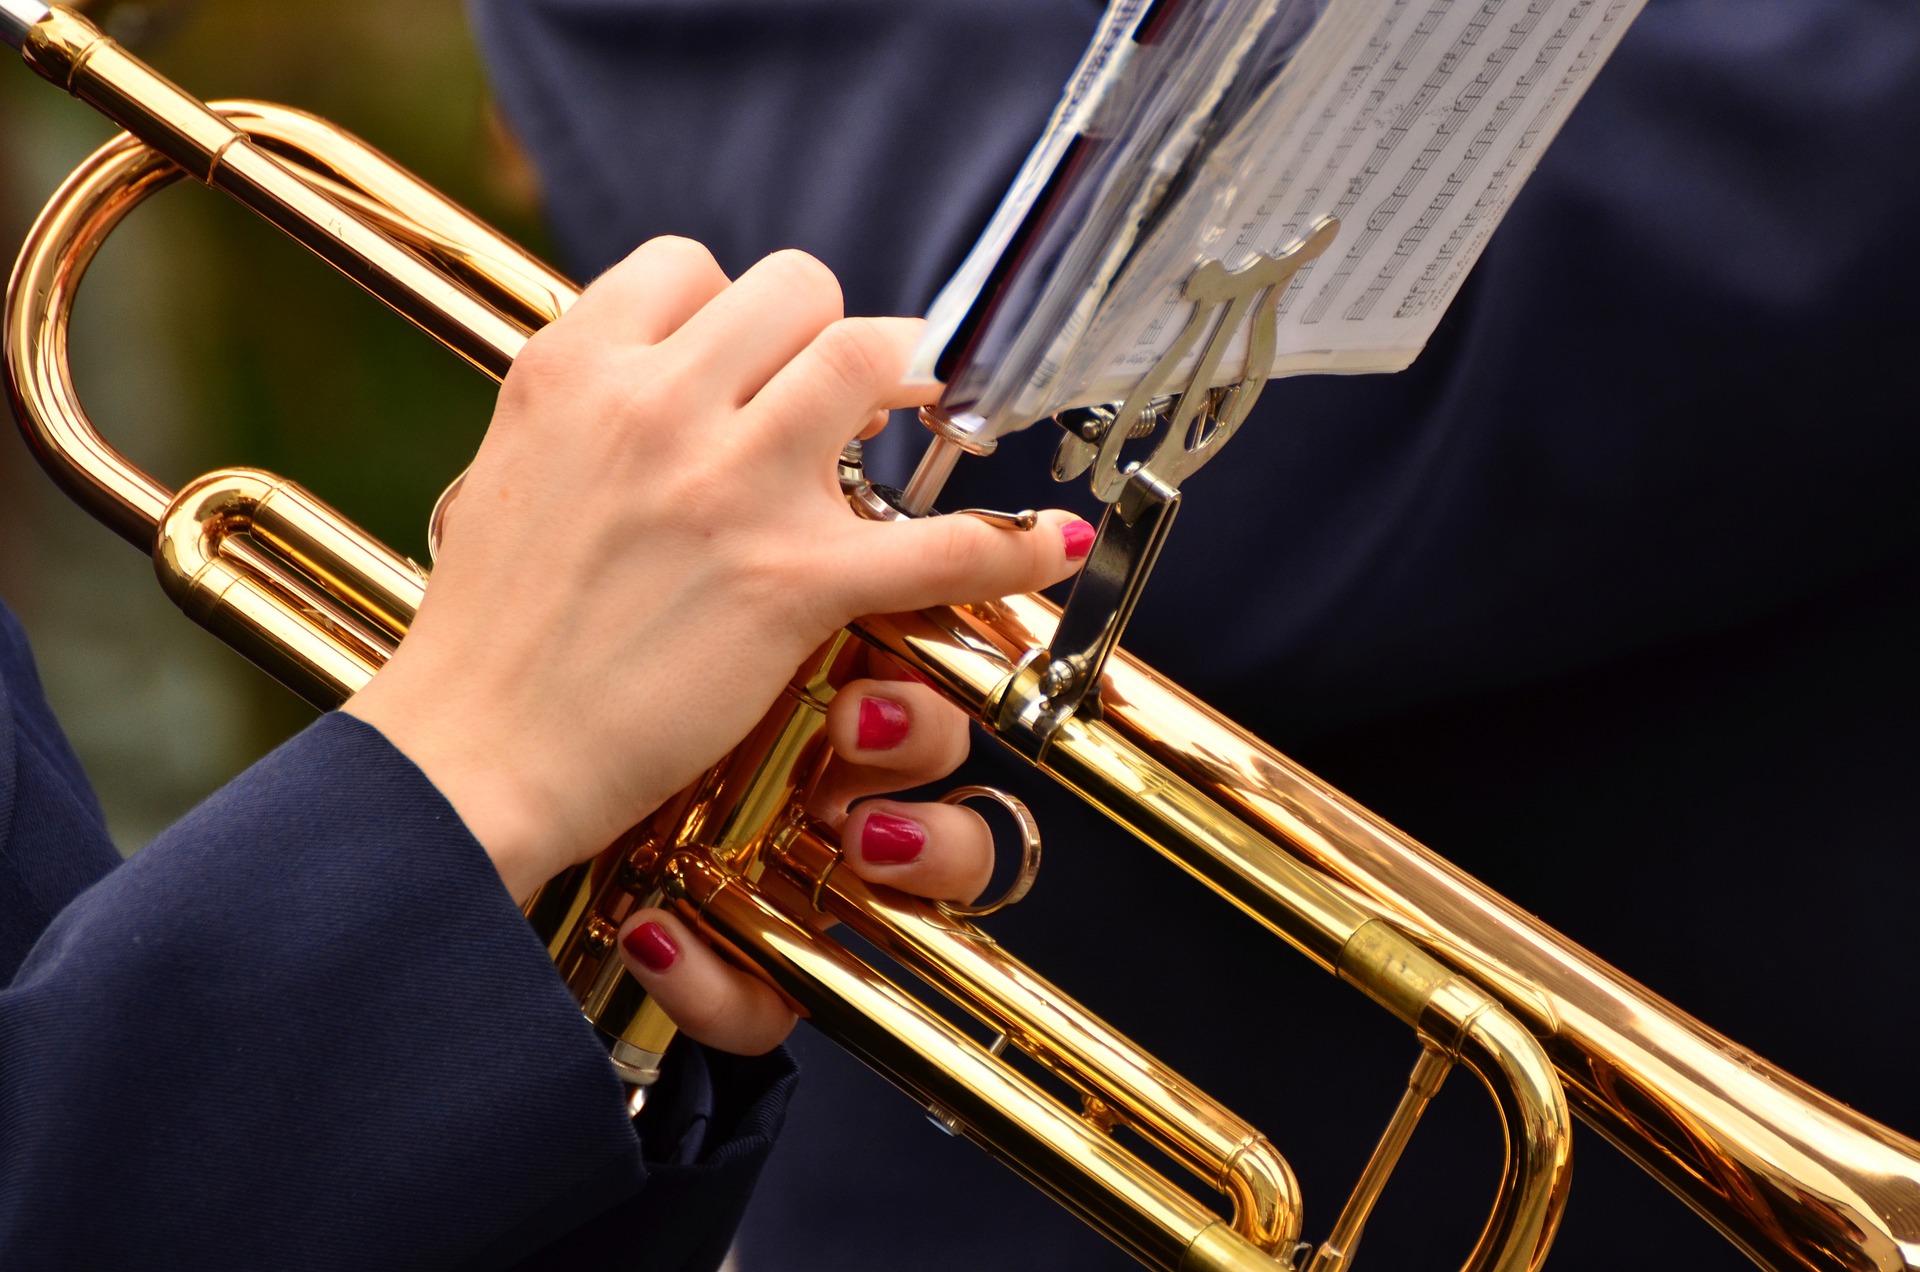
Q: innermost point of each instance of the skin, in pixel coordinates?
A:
(650, 540)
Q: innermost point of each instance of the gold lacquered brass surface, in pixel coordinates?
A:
(1070, 1042)
(1795, 1178)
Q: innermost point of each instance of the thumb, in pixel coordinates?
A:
(953, 560)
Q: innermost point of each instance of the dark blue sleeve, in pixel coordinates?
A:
(307, 1028)
(53, 837)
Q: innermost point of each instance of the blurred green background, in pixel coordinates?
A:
(203, 338)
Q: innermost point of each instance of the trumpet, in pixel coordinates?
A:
(1794, 1178)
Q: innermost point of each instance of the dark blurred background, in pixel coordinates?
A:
(203, 338)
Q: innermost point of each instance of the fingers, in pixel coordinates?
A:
(955, 560)
(651, 294)
(846, 372)
(711, 1000)
(887, 735)
(941, 851)
(754, 328)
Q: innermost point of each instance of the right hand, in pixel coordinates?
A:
(649, 542)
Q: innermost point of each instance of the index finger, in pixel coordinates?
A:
(829, 391)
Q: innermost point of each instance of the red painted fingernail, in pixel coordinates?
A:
(1079, 537)
(887, 840)
(883, 724)
(652, 946)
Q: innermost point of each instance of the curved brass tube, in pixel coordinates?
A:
(1793, 1177)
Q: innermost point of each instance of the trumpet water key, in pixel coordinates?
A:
(1793, 1177)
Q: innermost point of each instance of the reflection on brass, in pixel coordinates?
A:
(1794, 1178)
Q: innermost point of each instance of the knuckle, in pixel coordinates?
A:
(656, 385)
(953, 740)
(702, 1015)
(965, 554)
(676, 252)
(857, 355)
(548, 361)
(805, 277)
(545, 352)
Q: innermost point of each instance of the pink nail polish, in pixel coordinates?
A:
(883, 724)
(1079, 537)
(650, 944)
(887, 840)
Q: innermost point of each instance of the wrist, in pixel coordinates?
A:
(503, 805)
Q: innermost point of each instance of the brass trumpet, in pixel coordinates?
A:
(1794, 1178)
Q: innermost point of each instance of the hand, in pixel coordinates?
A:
(651, 539)
(887, 734)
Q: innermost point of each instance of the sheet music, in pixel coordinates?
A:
(1439, 112)
(1415, 122)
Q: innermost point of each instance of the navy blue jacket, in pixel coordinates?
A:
(1612, 596)
(307, 1028)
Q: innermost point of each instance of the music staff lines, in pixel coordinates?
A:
(1357, 126)
(1479, 221)
(1505, 112)
(1402, 127)
(1463, 108)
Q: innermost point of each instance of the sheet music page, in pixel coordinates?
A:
(1415, 122)
(1417, 136)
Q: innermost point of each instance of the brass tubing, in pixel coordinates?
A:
(71, 52)
(407, 209)
(1537, 1123)
(1233, 860)
(378, 584)
(1048, 1025)
(17, 17)
(40, 295)
(1792, 1176)
(970, 658)
(1084, 1169)
(1248, 870)
(119, 177)
(276, 616)
(1336, 1252)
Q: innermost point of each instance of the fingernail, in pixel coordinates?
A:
(887, 840)
(883, 724)
(652, 946)
(1079, 537)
